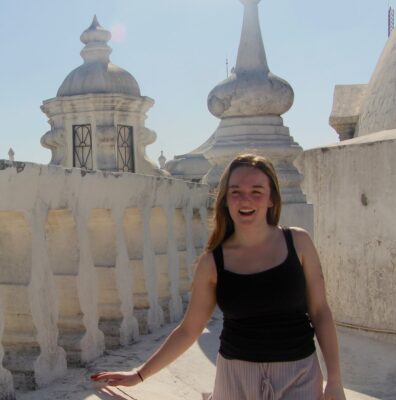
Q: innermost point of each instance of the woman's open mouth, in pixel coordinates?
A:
(246, 212)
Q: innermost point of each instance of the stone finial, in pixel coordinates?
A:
(95, 39)
(11, 154)
(251, 53)
(250, 104)
(162, 160)
(252, 89)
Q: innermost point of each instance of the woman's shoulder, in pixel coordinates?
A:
(206, 257)
(299, 233)
(301, 238)
(206, 266)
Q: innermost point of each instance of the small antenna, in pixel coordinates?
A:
(391, 20)
(227, 66)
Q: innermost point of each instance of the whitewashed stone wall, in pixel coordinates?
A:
(88, 261)
(352, 186)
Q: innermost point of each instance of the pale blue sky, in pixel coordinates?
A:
(176, 49)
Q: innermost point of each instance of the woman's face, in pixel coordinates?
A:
(248, 196)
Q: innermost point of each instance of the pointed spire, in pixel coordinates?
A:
(250, 90)
(95, 39)
(95, 22)
(251, 53)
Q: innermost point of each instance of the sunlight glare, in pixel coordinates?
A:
(118, 32)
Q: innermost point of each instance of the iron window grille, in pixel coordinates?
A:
(125, 159)
(82, 146)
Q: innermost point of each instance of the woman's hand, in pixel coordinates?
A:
(334, 391)
(130, 378)
(199, 310)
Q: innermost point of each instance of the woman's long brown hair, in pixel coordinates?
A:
(223, 224)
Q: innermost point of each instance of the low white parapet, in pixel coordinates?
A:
(89, 260)
(352, 186)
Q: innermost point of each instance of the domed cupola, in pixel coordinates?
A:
(98, 74)
(98, 116)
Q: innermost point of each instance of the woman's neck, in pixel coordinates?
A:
(252, 236)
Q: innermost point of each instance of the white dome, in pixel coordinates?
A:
(98, 74)
(97, 77)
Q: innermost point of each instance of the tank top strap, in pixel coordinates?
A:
(218, 257)
(290, 244)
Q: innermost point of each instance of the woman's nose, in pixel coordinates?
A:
(245, 197)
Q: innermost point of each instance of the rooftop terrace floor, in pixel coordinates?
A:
(369, 370)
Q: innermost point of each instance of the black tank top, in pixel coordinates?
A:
(265, 313)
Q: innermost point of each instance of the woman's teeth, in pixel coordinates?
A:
(246, 212)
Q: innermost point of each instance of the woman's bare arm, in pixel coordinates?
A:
(199, 310)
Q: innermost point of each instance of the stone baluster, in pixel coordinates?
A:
(175, 302)
(155, 317)
(51, 363)
(129, 327)
(92, 344)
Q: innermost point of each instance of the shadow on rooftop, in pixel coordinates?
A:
(368, 365)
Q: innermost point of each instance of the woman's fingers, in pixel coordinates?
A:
(98, 376)
(116, 378)
(108, 376)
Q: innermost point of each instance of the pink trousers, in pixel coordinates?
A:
(291, 380)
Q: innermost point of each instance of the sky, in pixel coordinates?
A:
(177, 51)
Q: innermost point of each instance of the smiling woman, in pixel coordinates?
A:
(248, 186)
(268, 283)
(262, 179)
